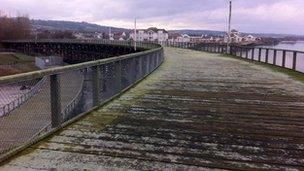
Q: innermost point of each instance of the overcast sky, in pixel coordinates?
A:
(263, 16)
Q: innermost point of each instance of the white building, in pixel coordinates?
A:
(179, 38)
(185, 38)
(250, 38)
(120, 36)
(237, 37)
(151, 34)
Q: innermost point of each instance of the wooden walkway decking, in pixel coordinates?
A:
(198, 111)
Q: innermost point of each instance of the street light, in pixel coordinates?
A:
(229, 27)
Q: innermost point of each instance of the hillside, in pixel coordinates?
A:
(89, 27)
(73, 26)
(84, 26)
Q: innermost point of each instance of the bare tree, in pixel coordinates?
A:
(14, 27)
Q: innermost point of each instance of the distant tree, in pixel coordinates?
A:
(14, 27)
(63, 35)
(47, 34)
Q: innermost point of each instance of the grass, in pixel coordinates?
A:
(7, 58)
(24, 58)
(23, 63)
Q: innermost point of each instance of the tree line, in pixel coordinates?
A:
(14, 27)
(20, 27)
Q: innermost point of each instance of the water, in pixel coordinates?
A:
(290, 45)
(293, 46)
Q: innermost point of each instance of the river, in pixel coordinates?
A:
(295, 45)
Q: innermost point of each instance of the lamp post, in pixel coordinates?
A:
(229, 27)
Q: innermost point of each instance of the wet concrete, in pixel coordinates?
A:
(198, 111)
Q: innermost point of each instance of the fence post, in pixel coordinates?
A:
(274, 57)
(56, 117)
(96, 76)
(284, 59)
(150, 62)
(239, 52)
(139, 67)
(260, 54)
(154, 60)
(147, 67)
(118, 74)
(267, 53)
(236, 51)
(294, 62)
(133, 69)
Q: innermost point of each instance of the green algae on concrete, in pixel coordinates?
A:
(198, 111)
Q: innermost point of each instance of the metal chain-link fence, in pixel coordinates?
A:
(32, 104)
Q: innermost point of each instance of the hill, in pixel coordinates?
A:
(73, 26)
(89, 27)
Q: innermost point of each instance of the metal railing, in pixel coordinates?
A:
(146, 45)
(10, 106)
(72, 90)
(290, 59)
(68, 109)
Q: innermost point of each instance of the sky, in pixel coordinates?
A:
(256, 16)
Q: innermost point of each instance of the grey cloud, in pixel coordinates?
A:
(278, 16)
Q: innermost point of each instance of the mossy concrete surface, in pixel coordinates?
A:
(198, 111)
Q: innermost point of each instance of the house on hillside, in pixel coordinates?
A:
(88, 35)
(111, 36)
(251, 38)
(237, 37)
(152, 34)
(185, 38)
(173, 37)
(119, 36)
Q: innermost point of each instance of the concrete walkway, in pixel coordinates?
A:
(198, 111)
(32, 116)
(10, 93)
